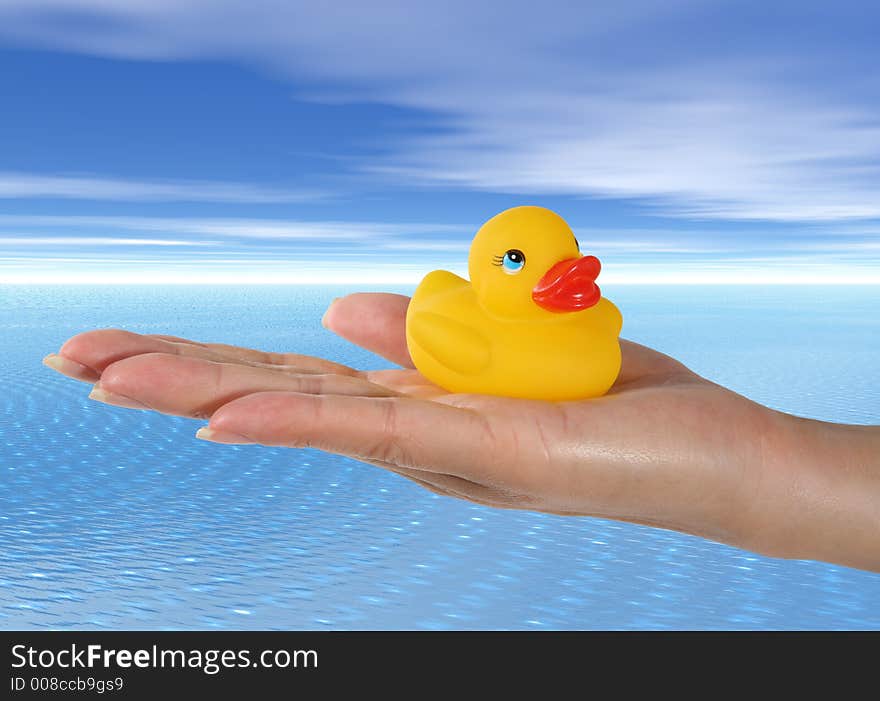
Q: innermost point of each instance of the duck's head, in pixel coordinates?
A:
(526, 262)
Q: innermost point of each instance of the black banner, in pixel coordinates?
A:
(282, 664)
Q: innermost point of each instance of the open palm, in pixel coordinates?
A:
(665, 447)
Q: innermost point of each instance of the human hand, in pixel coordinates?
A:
(665, 447)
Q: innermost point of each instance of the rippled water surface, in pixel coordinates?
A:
(121, 519)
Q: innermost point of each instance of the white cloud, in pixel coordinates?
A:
(664, 101)
(732, 157)
(61, 241)
(236, 227)
(253, 237)
(30, 185)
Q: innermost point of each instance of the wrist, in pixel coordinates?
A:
(826, 492)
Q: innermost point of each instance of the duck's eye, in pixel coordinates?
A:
(513, 261)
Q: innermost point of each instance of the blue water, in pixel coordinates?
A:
(121, 519)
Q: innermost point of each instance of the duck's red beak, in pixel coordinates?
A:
(569, 285)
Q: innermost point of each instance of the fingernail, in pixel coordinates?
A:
(215, 436)
(100, 395)
(327, 313)
(68, 367)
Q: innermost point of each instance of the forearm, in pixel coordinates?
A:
(828, 485)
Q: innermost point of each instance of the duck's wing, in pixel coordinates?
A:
(455, 345)
(439, 282)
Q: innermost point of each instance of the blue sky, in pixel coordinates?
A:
(269, 141)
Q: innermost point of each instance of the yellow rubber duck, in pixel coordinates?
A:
(531, 322)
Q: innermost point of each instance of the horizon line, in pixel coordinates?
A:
(258, 281)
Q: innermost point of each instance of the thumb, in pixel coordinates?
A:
(372, 320)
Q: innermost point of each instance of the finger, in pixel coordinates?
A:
(406, 432)
(194, 387)
(373, 320)
(176, 339)
(251, 355)
(70, 368)
(96, 350)
(409, 382)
